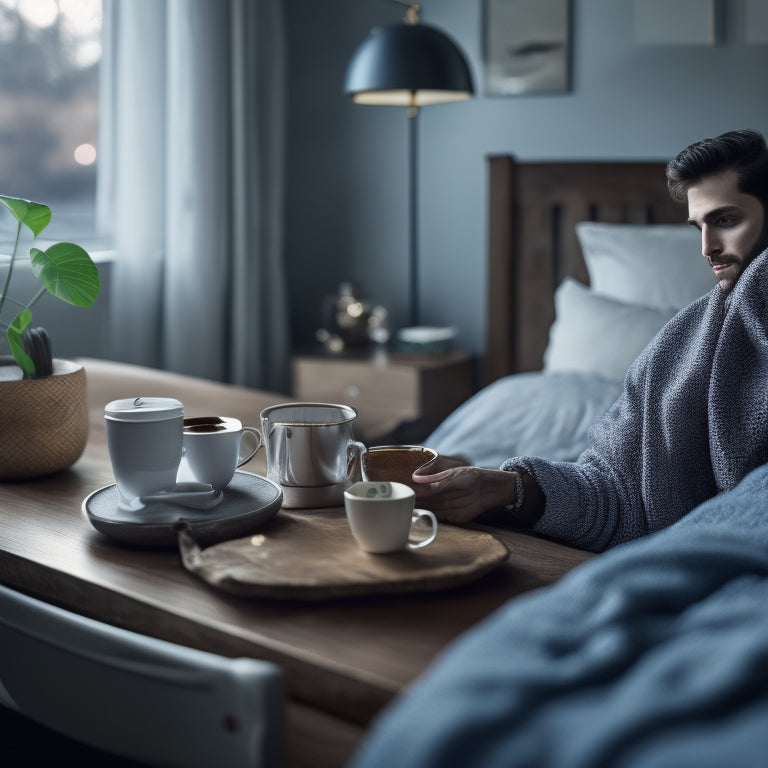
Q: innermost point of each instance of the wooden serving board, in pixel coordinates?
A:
(313, 556)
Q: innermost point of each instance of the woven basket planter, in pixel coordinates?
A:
(43, 422)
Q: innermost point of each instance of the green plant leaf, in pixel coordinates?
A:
(35, 216)
(20, 324)
(68, 272)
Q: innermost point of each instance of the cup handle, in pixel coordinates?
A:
(259, 442)
(418, 543)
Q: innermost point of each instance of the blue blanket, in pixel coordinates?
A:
(652, 654)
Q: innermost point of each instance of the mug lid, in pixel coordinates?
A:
(144, 409)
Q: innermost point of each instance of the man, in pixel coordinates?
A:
(693, 417)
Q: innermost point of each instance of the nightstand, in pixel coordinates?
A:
(399, 398)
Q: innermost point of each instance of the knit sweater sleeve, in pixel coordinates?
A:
(647, 461)
(595, 502)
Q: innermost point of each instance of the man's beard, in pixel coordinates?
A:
(762, 242)
(760, 245)
(758, 248)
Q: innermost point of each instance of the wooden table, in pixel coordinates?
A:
(343, 660)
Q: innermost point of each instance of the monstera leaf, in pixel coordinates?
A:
(35, 216)
(68, 272)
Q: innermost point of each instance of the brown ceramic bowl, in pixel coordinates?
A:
(395, 463)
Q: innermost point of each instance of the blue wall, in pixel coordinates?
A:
(347, 172)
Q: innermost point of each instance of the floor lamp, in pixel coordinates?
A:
(410, 65)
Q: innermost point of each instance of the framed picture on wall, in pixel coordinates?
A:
(526, 46)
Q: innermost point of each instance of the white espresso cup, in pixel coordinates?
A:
(144, 437)
(381, 516)
(214, 448)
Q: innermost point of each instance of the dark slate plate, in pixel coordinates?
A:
(249, 502)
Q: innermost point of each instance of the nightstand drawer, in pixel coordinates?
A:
(358, 383)
(386, 391)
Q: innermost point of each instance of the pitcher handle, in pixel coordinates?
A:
(355, 451)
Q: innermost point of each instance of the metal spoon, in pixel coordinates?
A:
(192, 495)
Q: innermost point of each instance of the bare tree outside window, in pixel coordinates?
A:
(49, 59)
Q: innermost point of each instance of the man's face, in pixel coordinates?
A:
(732, 225)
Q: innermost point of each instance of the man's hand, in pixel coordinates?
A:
(459, 493)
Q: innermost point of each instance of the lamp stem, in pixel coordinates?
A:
(413, 222)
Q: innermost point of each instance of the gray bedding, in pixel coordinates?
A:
(537, 413)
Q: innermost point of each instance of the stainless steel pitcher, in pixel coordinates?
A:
(311, 452)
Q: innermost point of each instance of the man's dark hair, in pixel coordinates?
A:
(742, 151)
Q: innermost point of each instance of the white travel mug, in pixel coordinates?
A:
(145, 438)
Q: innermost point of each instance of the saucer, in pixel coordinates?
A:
(249, 502)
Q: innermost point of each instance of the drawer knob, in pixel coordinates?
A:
(353, 390)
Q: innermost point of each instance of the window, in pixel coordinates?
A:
(49, 60)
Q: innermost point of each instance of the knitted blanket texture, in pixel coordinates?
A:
(652, 655)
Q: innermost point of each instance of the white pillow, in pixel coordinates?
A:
(654, 265)
(595, 334)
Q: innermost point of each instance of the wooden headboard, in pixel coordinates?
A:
(533, 246)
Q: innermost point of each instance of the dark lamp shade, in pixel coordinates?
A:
(408, 64)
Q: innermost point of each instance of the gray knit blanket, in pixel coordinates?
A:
(692, 422)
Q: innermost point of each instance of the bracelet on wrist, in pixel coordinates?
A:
(517, 504)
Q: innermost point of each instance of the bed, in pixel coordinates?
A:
(575, 252)
(652, 654)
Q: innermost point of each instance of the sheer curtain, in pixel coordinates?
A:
(191, 186)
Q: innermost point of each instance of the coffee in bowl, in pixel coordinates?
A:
(395, 463)
(205, 424)
(214, 446)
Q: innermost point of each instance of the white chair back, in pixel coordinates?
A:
(136, 696)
